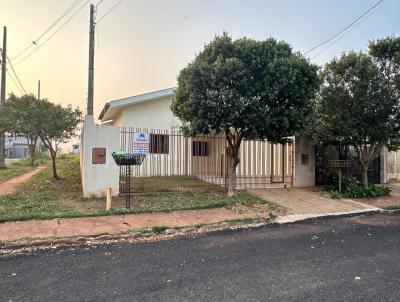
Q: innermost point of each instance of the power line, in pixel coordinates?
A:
(344, 34)
(109, 11)
(347, 27)
(98, 3)
(15, 82)
(16, 76)
(35, 41)
(53, 34)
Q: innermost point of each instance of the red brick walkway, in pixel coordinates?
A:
(11, 185)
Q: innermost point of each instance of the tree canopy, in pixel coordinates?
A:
(245, 89)
(18, 119)
(356, 106)
(40, 119)
(57, 124)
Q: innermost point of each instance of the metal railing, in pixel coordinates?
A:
(176, 163)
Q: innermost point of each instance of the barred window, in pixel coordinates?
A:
(159, 143)
(200, 148)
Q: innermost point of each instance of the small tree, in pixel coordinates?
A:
(17, 119)
(56, 125)
(356, 106)
(245, 89)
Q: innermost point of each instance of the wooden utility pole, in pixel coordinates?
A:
(38, 90)
(91, 62)
(3, 91)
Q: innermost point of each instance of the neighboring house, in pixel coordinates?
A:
(16, 147)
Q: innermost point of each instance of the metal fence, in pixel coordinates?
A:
(176, 163)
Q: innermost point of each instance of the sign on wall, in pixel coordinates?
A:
(141, 143)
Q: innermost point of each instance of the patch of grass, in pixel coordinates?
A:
(45, 198)
(240, 221)
(21, 166)
(159, 229)
(335, 194)
(172, 184)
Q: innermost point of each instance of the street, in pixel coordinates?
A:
(330, 259)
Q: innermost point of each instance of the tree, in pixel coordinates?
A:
(245, 89)
(356, 106)
(56, 125)
(17, 120)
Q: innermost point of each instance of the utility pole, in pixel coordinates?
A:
(91, 62)
(3, 92)
(38, 90)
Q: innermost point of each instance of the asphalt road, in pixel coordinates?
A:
(346, 259)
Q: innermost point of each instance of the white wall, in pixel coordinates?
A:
(151, 114)
(96, 178)
(304, 174)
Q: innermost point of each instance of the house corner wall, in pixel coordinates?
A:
(96, 178)
(304, 162)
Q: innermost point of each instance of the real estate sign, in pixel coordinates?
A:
(141, 143)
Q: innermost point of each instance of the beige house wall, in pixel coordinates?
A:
(153, 114)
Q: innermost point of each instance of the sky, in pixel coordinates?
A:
(142, 45)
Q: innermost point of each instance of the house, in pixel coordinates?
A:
(205, 156)
(262, 164)
(17, 147)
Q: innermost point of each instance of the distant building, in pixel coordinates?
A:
(17, 147)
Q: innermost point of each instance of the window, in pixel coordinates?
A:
(159, 143)
(200, 148)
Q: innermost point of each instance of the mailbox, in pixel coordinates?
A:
(98, 156)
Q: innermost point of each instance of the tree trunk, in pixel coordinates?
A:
(32, 151)
(364, 175)
(53, 159)
(232, 175)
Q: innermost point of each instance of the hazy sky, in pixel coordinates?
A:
(142, 44)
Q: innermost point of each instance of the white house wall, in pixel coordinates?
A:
(153, 114)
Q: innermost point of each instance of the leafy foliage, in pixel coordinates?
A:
(356, 106)
(245, 89)
(17, 120)
(357, 191)
(56, 125)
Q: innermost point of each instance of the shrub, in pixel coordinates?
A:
(358, 191)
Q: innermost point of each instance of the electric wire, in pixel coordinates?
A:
(53, 34)
(16, 76)
(35, 41)
(365, 14)
(109, 11)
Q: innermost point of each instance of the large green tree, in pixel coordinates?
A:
(356, 106)
(245, 89)
(56, 125)
(17, 119)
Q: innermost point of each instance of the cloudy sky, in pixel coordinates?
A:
(142, 45)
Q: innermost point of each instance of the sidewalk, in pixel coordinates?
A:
(299, 203)
(87, 226)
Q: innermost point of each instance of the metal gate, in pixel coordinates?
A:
(176, 163)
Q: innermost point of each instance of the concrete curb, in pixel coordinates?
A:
(19, 246)
(302, 217)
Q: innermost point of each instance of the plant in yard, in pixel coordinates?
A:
(18, 119)
(357, 191)
(356, 106)
(245, 89)
(56, 125)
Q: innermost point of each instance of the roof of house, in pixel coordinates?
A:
(112, 108)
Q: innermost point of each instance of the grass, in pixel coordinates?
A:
(172, 184)
(20, 167)
(45, 198)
